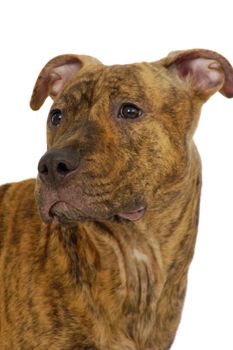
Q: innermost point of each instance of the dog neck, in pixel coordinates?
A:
(135, 258)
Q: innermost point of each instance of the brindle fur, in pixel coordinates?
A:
(102, 282)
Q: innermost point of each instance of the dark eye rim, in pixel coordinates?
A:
(130, 104)
(55, 112)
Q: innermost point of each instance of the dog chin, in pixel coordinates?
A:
(65, 213)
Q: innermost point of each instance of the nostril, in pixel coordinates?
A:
(63, 169)
(43, 169)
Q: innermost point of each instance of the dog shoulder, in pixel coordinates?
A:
(12, 191)
(3, 190)
(15, 198)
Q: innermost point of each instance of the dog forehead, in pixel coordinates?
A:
(107, 72)
(129, 80)
(127, 74)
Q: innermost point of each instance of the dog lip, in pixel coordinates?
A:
(133, 215)
(65, 212)
(61, 207)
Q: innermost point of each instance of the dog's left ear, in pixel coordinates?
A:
(206, 71)
(55, 74)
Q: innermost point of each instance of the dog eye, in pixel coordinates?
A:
(56, 117)
(130, 111)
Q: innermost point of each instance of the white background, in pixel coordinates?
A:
(32, 32)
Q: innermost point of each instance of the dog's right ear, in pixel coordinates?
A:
(55, 74)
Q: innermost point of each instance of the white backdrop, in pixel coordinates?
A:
(126, 31)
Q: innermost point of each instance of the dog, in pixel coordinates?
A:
(94, 254)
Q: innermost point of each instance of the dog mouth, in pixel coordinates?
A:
(66, 213)
(133, 215)
(69, 205)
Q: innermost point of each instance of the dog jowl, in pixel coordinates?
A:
(95, 252)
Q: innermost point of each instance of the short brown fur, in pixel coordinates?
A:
(86, 277)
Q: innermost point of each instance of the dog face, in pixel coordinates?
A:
(119, 134)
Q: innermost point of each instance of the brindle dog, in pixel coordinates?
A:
(103, 265)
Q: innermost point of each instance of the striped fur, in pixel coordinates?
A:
(98, 281)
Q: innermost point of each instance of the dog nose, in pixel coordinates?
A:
(56, 164)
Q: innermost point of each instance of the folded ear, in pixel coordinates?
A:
(206, 70)
(55, 74)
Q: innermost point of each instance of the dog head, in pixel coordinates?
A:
(117, 134)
